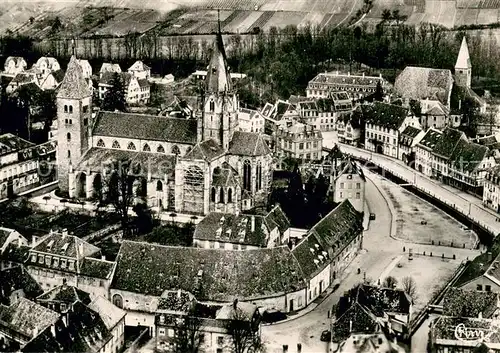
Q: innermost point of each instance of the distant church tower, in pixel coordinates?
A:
(463, 67)
(74, 114)
(220, 102)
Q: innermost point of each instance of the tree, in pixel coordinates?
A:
(187, 338)
(114, 99)
(386, 15)
(410, 287)
(390, 282)
(120, 193)
(396, 16)
(243, 331)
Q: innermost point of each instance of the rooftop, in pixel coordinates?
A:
(336, 77)
(448, 142)
(15, 278)
(207, 150)
(440, 329)
(248, 144)
(468, 156)
(74, 85)
(430, 139)
(109, 313)
(65, 245)
(382, 114)
(469, 303)
(10, 143)
(64, 294)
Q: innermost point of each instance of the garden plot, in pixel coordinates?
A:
(283, 19)
(487, 16)
(438, 226)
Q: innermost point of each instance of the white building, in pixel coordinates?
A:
(109, 67)
(14, 65)
(250, 120)
(46, 65)
(140, 70)
(423, 151)
(491, 191)
(408, 139)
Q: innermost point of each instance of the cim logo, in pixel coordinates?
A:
(463, 333)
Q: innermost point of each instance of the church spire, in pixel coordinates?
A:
(218, 78)
(463, 59)
(73, 85)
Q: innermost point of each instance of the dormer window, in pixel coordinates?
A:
(214, 70)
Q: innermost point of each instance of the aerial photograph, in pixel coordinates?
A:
(250, 176)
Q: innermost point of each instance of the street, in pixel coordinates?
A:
(379, 255)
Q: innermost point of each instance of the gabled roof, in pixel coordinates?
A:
(16, 254)
(64, 294)
(469, 303)
(226, 175)
(448, 142)
(248, 144)
(468, 156)
(311, 255)
(423, 82)
(96, 268)
(411, 131)
(437, 109)
(4, 234)
(65, 245)
(139, 66)
(207, 150)
(58, 75)
(110, 314)
(145, 127)
(110, 67)
(430, 139)
(107, 78)
(463, 59)
(27, 317)
(239, 310)
(15, 278)
(23, 78)
(348, 166)
(18, 60)
(218, 79)
(209, 274)
(73, 85)
(276, 217)
(356, 319)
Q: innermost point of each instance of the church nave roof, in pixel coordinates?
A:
(248, 144)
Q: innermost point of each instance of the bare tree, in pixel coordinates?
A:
(244, 332)
(390, 282)
(410, 287)
(188, 336)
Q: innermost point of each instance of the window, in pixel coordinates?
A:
(71, 109)
(229, 195)
(341, 194)
(220, 340)
(161, 332)
(341, 185)
(212, 106)
(259, 176)
(479, 287)
(146, 148)
(69, 154)
(358, 185)
(176, 150)
(212, 196)
(100, 143)
(115, 144)
(487, 288)
(301, 146)
(65, 108)
(247, 175)
(131, 146)
(358, 195)
(68, 136)
(160, 149)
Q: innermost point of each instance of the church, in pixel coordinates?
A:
(196, 166)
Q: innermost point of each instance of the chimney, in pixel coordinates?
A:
(52, 329)
(64, 232)
(34, 240)
(235, 303)
(179, 294)
(363, 75)
(489, 256)
(459, 104)
(103, 257)
(253, 224)
(480, 315)
(350, 326)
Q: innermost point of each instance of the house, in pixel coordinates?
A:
(468, 167)
(15, 283)
(408, 139)
(140, 70)
(369, 343)
(19, 164)
(349, 184)
(59, 257)
(300, 141)
(349, 128)
(324, 112)
(179, 107)
(485, 277)
(109, 67)
(422, 83)
(21, 322)
(20, 79)
(52, 80)
(281, 114)
(250, 120)
(241, 232)
(436, 115)
(10, 236)
(60, 298)
(137, 91)
(356, 86)
(423, 151)
(465, 303)
(46, 65)
(86, 68)
(114, 320)
(14, 65)
(384, 124)
(214, 322)
(443, 151)
(368, 310)
(491, 190)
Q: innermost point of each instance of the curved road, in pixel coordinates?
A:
(378, 255)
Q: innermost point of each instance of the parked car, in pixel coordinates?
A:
(372, 216)
(326, 336)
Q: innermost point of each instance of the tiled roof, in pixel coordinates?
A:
(207, 150)
(68, 245)
(139, 66)
(407, 136)
(312, 257)
(175, 301)
(16, 254)
(437, 109)
(248, 144)
(23, 78)
(422, 82)
(218, 78)
(346, 79)
(74, 85)
(382, 300)
(430, 139)
(64, 294)
(85, 332)
(242, 310)
(448, 142)
(11, 143)
(109, 313)
(4, 234)
(226, 175)
(232, 229)
(145, 127)
(356, 319)
(27, 317)
(440, 329)
(276, 217)
(157, 164)
(467, 156)
(96, 268)
(467, 303)
(15, 278)
(209, 274)
(383, 114)
(348, 166)
(110, 67)
(58, 75)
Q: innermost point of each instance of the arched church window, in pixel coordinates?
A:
(115, 144)
(146, 148)
(118, 300)
(229, 195)
(71, 109)
(65, 108)
(259, 176)
(212, 106)
(221, 200)
(212, 195)
(131, 146)
(100, 143)
(160, 149)
(159, 186)
(176, 150)
(247, 175)
(68, 136)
